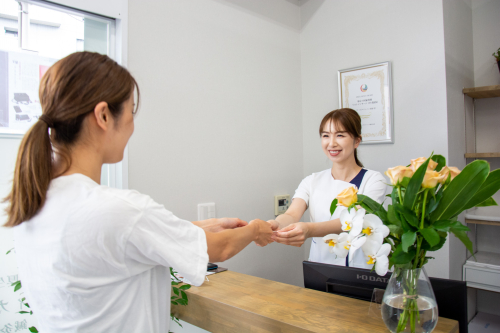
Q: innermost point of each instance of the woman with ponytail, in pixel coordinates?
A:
(93, 258)
(340, 133)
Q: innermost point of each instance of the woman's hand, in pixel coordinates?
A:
(294, 234)
(230, 223)
(274, 224)
(263, 234)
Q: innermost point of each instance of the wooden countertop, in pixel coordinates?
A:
(234, 302)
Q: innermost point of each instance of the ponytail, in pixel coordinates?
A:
(69, 92)
(358, 162)
(32, 175)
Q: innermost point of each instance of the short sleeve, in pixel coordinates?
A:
(161, 238)
(376, 187)
(304, 190)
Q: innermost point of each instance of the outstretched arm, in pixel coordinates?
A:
(225, 244)
(217, 225)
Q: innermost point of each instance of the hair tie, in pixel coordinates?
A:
(46, 119)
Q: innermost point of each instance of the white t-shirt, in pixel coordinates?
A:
(96, 259)
(318, 191)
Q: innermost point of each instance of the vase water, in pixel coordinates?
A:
(409, 304)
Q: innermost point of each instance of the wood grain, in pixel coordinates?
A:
(483, 92)
(234, 302)
(481, 155)
(482, 222)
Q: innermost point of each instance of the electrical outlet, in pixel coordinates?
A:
(281, 203)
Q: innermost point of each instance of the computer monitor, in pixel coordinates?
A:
(451, 295)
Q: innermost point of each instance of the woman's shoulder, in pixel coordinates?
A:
(372, 174)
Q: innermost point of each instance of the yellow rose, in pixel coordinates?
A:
(397, 174)
(416, 163)
(431, 179)
(448, 170)
(348, 196)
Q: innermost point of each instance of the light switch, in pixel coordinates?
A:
(206, 211)
(281, 203)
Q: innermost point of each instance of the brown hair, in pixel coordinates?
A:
(68, 92)
(347, 120)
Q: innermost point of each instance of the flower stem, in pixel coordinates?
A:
(400, 196)
(423, 209)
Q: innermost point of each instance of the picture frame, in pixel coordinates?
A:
(368, 90)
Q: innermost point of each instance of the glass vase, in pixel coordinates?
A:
(409, 304)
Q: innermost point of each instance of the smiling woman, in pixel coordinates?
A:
(340, 132)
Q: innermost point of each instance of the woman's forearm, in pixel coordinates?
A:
(285, 220)
(225, 244)
(320, 229)
(210, 225)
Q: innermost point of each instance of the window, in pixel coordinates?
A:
(36, 35)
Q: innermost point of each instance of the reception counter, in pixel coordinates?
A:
(234, 302)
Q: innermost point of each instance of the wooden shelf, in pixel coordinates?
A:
(483, 215)
(481, 155)
(483, 271)
(483, 92)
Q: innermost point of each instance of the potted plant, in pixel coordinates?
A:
(426, 199)
(497, 57)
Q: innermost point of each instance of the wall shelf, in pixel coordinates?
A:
(483, 215)
(481, 155)
(483, 272)
(483, 92)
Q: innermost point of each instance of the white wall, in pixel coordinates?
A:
(343, 34)
(220, 118)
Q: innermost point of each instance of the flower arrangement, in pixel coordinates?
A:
(426, 199)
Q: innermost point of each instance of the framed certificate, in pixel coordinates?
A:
(368, 90)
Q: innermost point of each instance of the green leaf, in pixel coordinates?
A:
(33, 329)
(461, 189)
(27, 305)
(184, 296)
(430, 235)
(394, 195)
(414, 185)
(490, 186)
(176, 291)
(174, 302)
(462, 235)
(441, 161)
(182, 302)
(18, 285)
(405, 181)
(434, 201)
(369, 204)
(427, 247)
(399, 257)
(408, 239)
(443, 225)
(23, 312)
(185, 287)
(395, 229)
(391, 216)
(9, 251)
(333, 206)
(175, 283)
(408, 214)
(488, 202)
(459, 226)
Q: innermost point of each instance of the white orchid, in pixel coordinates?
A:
(377, 254)
(374, 228)
(352, 221)
(344, 243)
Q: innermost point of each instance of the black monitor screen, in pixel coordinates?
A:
(451, 295)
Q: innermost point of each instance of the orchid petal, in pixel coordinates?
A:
(381, 266)
(384, 250)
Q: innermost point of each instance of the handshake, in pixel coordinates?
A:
(267, 232)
